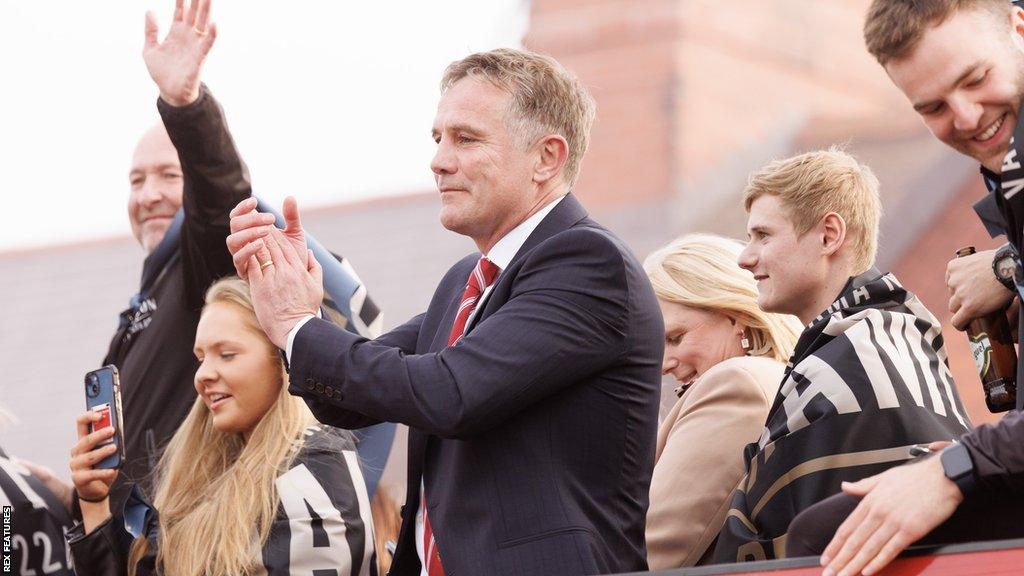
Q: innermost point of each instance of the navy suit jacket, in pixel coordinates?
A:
(534, 435)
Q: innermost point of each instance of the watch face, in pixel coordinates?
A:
(1005, 267)
(957, 466)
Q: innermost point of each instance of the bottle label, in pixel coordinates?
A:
(981, 348)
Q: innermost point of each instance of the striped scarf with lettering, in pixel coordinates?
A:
(869, 379)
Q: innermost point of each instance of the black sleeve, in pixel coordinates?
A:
(215, 181)
(997, 451)
(404, 337)
(990, 216)
(104, 551)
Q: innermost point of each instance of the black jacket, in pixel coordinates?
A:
(997, 451)
(154, 352)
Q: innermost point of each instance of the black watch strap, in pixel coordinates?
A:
(958, 467)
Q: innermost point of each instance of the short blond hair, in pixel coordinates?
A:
(894, 27)
(812, 185)
(546, 98)
(701, 271)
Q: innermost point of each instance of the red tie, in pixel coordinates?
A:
(481, 277)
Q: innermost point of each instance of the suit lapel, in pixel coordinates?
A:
(564, 216)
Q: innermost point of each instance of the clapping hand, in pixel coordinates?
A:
(284, 278)
(176, 63)
(249, 227)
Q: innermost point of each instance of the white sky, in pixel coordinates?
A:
(328, 101)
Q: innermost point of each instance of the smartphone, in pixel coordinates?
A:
(103, 395)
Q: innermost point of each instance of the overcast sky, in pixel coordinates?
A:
(328, 101)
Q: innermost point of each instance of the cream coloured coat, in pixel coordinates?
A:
(699, 458)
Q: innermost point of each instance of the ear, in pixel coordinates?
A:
(737, 327)
(552, 152)
(832, 233)
(1017, 22)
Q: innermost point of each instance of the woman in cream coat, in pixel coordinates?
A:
(728, 357)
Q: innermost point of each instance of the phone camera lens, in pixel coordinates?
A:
(93, 384)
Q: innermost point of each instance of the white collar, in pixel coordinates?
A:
(506, 248)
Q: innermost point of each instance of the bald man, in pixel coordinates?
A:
(188, 162)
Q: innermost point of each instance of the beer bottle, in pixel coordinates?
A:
(994, 355)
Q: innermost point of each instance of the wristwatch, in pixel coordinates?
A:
(1005, 267)
(958, 467)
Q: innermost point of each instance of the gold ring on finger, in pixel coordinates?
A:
(266, 265)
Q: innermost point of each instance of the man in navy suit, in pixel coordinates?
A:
(531, 384)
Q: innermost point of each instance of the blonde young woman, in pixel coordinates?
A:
(728, 357)
(249, 484)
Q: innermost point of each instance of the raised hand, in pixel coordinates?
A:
(176, 63)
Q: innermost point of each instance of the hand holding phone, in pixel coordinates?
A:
(103, 397)
(92, 483)
(99, 451)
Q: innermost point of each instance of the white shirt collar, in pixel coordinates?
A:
(506, 248)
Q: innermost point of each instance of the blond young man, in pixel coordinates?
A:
(961, 65)
(868, 378)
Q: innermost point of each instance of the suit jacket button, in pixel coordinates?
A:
(319, 388)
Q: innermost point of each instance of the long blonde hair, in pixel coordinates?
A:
(215, 492)
(701, 271)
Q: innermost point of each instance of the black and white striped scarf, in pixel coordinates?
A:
(869, 379)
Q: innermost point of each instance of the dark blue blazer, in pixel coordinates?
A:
(534, 435)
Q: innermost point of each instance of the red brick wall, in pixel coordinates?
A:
(683, 85)
(626, 57)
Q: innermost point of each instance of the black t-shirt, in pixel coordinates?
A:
(157, 371)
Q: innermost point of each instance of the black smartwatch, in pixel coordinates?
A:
(958, 467)
(1006, 267)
